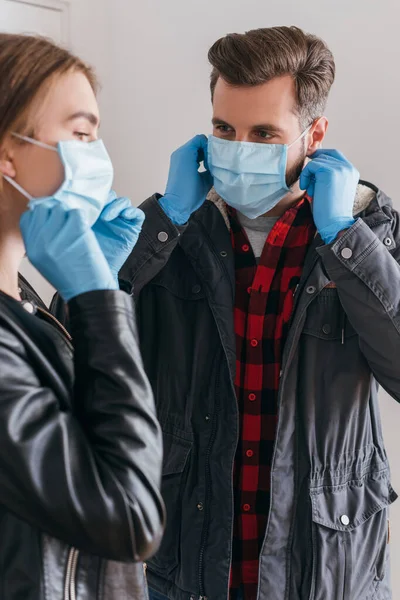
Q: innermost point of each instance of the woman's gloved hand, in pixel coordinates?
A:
(61, 245)
(117, 231)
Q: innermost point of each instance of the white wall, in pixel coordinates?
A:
(157, 95)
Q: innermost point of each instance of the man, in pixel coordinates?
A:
(267, 315)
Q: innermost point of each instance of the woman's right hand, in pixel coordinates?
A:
(62, 246)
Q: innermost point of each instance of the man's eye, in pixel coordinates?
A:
(223, 128)
(265, 135)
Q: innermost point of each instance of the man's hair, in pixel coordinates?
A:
(257, 56)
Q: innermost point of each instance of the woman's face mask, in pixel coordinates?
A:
(88, 176)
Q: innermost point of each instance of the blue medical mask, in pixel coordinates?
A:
(250, 177)
(88, 176)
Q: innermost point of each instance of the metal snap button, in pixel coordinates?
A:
(388, 241)
(162, 236)
(29, 307)
(327, 329)
(344, 519)
(223, 254)
(311, 289)
(347, 253)
(196, 289)
(200, 506)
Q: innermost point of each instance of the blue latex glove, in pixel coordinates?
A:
(117, 231)
(61, 245)
(187, 188)
(331, 181)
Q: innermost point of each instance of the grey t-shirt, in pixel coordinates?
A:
(257, 231)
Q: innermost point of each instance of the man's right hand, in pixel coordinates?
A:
(187, 188)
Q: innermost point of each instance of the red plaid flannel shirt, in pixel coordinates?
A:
(263, 307)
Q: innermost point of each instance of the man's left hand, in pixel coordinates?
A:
(331, 181)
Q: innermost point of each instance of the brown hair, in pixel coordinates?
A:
(259, 55)
(27, 65)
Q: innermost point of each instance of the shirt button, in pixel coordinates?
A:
(346, 253)
(162, 236)
(29, 307)
(200, 506)
(252, 397)
(245, 247)
(344, 519)
(254, 343)
(249, 453)
(311, 289)
(246, 507)
(196, 289)
(327, 329)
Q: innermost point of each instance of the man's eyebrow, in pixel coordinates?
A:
(269, 127)
(264, 126)
(218, 121)
(82, 114)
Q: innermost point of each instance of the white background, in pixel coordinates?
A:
(152, 59)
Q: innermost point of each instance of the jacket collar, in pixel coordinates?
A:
(368, 199)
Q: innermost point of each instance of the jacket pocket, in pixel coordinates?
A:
(350, 534)
(176, 455)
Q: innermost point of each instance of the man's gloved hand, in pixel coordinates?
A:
(117, 231)
(61, 245)
(187, 188)
(331, 181)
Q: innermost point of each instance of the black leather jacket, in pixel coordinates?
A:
(80, 452)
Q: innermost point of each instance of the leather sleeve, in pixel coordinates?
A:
(89, 476)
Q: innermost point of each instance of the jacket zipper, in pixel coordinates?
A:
(208, 490)
(285, 361)
(313, 561)
(56, 322)
(70, 577)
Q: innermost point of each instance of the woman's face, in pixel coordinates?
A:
(68, 111)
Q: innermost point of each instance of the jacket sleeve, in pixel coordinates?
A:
(367, 276)
(153, 249)
(88, 475)
(156, 243)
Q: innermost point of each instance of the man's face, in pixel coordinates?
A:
(264, 114)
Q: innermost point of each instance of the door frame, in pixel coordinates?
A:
(61, 6)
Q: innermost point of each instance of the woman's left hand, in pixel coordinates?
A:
(117, 231)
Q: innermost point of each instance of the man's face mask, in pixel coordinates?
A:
(88, 176)
(250, 177)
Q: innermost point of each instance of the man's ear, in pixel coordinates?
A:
(316, 135)
(7, 158)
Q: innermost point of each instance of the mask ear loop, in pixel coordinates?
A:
(30, 140)
(18, 187)
(301, 135)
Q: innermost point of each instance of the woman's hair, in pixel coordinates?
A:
(28, 66)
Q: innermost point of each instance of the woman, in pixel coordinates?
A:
(80, 447)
